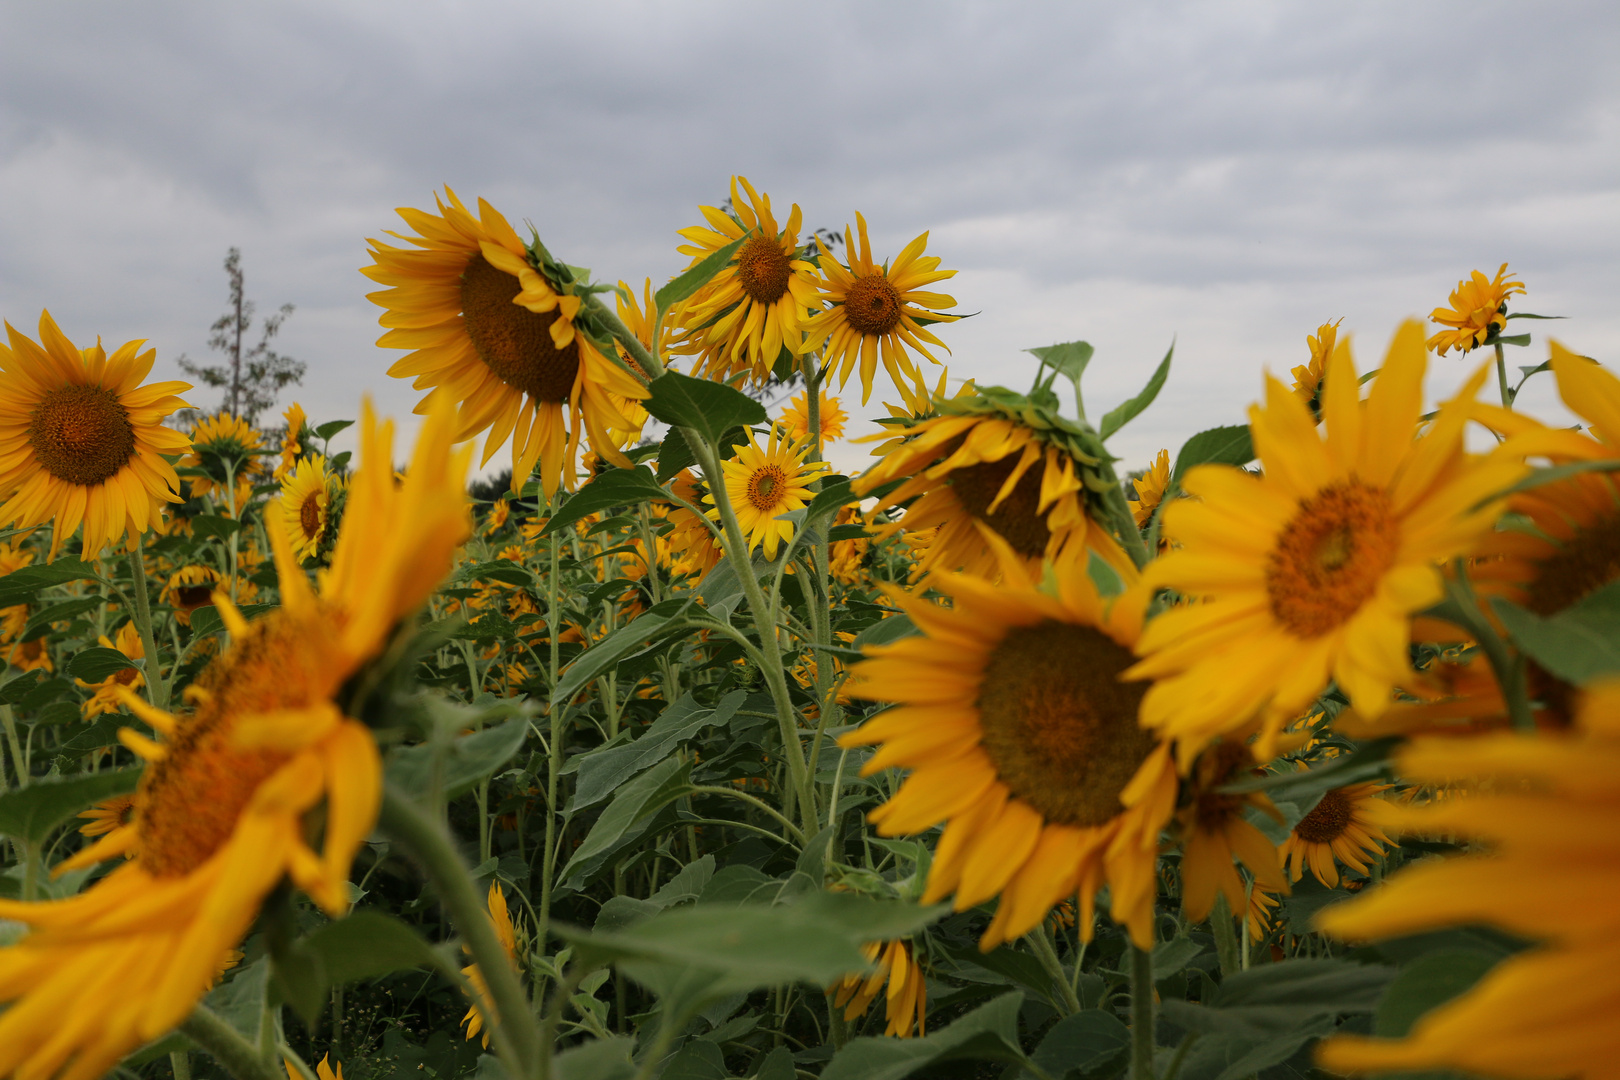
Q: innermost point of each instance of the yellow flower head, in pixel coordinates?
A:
(1347, 825)
(306, 504)
(291, 444)
(692, 548)
(1478, 309)
(1215, 833)
(1308, 377)
(796, 418)
(507, 935)
(765, 484)
(1150, 489)
(107, 815)
(224, 444)
(84, 439)
(906, 1000)
(107, 698)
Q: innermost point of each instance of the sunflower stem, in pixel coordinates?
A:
(429, 843)
(1502, 379)
(1141, 1013)
(632, 344)
(156, 689)
(1226, 943)
(554, 715)
(226, 1045)
(1124, 522)
(180, 1063)
(1040, 941)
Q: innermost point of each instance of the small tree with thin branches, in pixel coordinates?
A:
(254, 376)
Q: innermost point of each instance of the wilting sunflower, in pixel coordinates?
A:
(82, 441)
(224, 445)
(796, 417)
(292, 442)
(755, 306)
(765, 484)
(1308, 376)
(984, 472)
(106, 698)
(1150, 489)
(692, 547)
(905, 1001)
(1312, 570)
(504, 932)
(306, 504)
(879, 310)
(1215, 832)
(1020, 736)
(1347, 826)
(1552, 875)
(1478, 311)
(494, 332)
(219, 812)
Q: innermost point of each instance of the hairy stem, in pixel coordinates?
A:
(226, 1045)
(1141, 1014)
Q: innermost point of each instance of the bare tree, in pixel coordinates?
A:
(256, 375)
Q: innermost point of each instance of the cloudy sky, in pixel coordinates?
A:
(1226, 175)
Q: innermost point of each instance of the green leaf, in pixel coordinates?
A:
(1513, 339)
(30, 814)
(709, 408)
(41, 621)
(840, 533)
(1070, 360)
(989, 1032)
(240, 1002)
(215, 526)
(1170, 957)
(19, 586)
(1550, 475)
(1369, 761)
(1275, 999)
(657, 621)
(504, 571)
(1229, 445)
(366, 944)
(834, 494)
(688, 283)
(331, 428)
(635, 801)
(206, 620)
(467, 760)
(95, 664)
(597, 1059)
(697, 1060)
(885, 631)
(601, 772)
(1087, 1041)
(1427, 982)
(616, 487)
(1579, 644)
(1129, 411)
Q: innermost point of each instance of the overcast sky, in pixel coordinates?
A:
(1227, 175)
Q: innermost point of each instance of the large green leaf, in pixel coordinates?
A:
(688, 283)
(95, 664)
(367, 944)
(616, 487)
(601, 772)
(596, 1059)
(215, 526)
(41, 621)
(30, 814)
(1425, 983)
(1127, 412)
(19, 586)
(206, 620)
(634, 802)
(834, 493)
(1068, 359)
(1579, 644)
(656, 622)
(709, 408)
(1277, 998)
(1218, 446)
(467, 760)
(989, 1032)
(1087, 1041)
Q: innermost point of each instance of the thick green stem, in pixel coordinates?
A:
(1502, 379)
(554, 749)
(156, 688)
(180, 1063)
(1226, 943)
(621, 333)
(1141, 1014)
(1119, 509)
(1041, 942)
(226, 1045)
(430, 845)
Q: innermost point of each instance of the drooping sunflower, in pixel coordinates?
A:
(1150, 489)
(106, 698)
(306, 503)
(905, 1000)
(488, 327)
(504, 932)
(976, 471)
(1308, 376)
(1020, 736)
(1478, 311)
(1347, 826)
(1215, 833)
(880, 310)
(224, 445)
(82, 441)
(292, 442)
(1312, 570)
(219, 811)
(755, 306)
(1548, 812)
(692, 548)
(796, 417)
(765, 484)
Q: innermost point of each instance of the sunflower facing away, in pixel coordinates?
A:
(1478, 310)
(1020, 736)
(796, 417)
(875, 312)
(306, 501)
(1150, 489)
(507, 935)
(1215, 832)
(219, 812)
(905, 1000)
(489, 328)
(82, 441)
(1549, 815)
(223, 445)
(1347, 826)
(1308, 376)
(755, 306)
(1312, 570)
(765, 484)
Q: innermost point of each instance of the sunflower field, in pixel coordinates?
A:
(682, 755)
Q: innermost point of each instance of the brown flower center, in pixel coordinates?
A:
(1327, 821)
(1016, 519)
(763, 270)
(81, 434)
(1588, 560)
(872, 305)
(309, 517)
(1330, 557)
(1219, 766)
(1058, 724)
(765, 487)
(194, 596)
(512, 341)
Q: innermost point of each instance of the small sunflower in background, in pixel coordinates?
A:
(1215, 833)
(906, 996)
(1312, 570)
(1261, 909)
(106, 698)
(1308, 376)
(796, 417)
(223, 445)
(1547, 809)
(763, 484)
(323, 1070)
(880, 311)
(1021, 738)
(1478, 312)
(107, 815)
(308, 498)
(84, 439)
(638, 319)
(692, 548)
(292, 440)
(1347, 826)
(189, 588)
(13, 619)
(1150, 488)
(495, 333)
(754, 308)
(504, 931)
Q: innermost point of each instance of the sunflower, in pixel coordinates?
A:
(493, 331)
(692, 547)
(1215, 832)
(498, 914)
(292, 443)
(1020, 736)
(323, 1071)
(13, 619)
(188, 589)
(306, 504)
(754, 308)
(223, 445)
(219, 811)
(875, 312)
(1308, 377)
(106, 698)
(107, 815)
(905, 1001)
(847, 558)
(765, 484)
(974, 475)
(1312, 570)
(1262, 906)
(82, 441)
(1478, 311)
(1150, 489)
(638, 319)
(1552, 874)
(1347, 825)
(796, 418)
